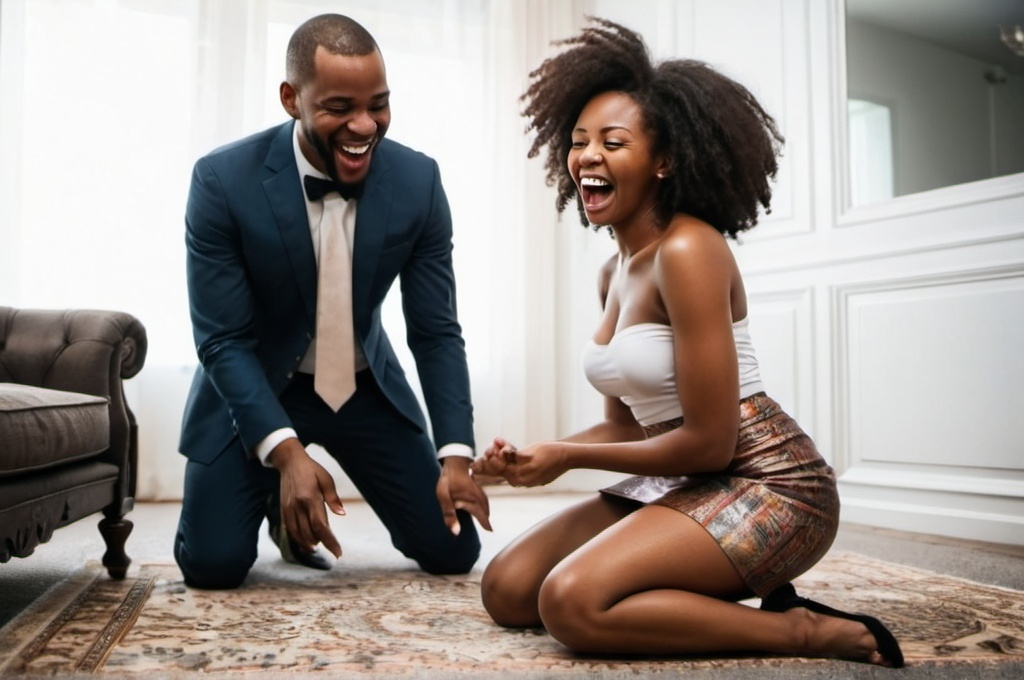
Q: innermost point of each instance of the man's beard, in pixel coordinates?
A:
(326, 153)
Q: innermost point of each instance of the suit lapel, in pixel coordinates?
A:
(372, 216)
(284, 192)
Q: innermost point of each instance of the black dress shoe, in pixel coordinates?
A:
(785, 598)
(290, 550)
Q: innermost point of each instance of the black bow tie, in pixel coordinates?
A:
(318, 187)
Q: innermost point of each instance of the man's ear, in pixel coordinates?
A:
(288, 97)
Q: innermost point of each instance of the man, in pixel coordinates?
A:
(279, 335)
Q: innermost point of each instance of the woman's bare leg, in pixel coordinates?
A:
(512, 580)
(657, 583)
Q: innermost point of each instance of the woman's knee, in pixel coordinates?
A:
(569, 609)
(509, 595)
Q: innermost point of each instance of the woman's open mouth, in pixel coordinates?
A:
(595, 192)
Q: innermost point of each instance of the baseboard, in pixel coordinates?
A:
(939, 521)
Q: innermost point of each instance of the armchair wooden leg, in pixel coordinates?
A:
(115, 531)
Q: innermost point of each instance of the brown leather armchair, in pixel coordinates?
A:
(68, 441)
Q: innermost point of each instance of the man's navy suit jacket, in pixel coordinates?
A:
(252, 280)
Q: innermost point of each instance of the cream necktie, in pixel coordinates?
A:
(334, 377)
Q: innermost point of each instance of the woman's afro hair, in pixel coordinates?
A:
(721, 145)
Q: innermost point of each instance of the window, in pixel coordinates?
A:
(870, 130)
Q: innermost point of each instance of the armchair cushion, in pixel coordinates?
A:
(31, 490)
(42, 428)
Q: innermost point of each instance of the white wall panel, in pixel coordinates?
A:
(659, 23)
(762, 44)
(933, 371)
(781, 326)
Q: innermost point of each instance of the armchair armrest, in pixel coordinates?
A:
(88, 351)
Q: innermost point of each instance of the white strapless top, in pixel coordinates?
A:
(638, 366)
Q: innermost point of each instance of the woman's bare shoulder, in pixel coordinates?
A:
(693, 242)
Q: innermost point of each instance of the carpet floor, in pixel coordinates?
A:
(954, 604)
(373, 622)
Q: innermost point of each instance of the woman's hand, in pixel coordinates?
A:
(535, 465)
(492, 464)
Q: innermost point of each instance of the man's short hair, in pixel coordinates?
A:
(336, 33)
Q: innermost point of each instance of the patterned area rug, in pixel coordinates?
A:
(375, 622)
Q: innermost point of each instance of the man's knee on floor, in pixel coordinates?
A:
(213, 569)
(437, 551)
(448, 559)
(223, 580)
(448, 566)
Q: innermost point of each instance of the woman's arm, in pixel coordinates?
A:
(694, 272)
(618, 425)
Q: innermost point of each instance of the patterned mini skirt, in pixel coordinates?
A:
(774, 510)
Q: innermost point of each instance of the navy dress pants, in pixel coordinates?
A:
(391, 461)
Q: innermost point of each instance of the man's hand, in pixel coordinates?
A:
(456, 490)
(305, 487)
(491, 465)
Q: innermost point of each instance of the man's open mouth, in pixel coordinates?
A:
(355, 150)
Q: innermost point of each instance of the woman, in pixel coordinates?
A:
(727, 502)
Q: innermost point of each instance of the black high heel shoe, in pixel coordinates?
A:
(785, 598)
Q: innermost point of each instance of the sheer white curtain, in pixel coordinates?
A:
(105, 105)
(98, 117)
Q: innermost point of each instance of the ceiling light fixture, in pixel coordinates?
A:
(1013, 37)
